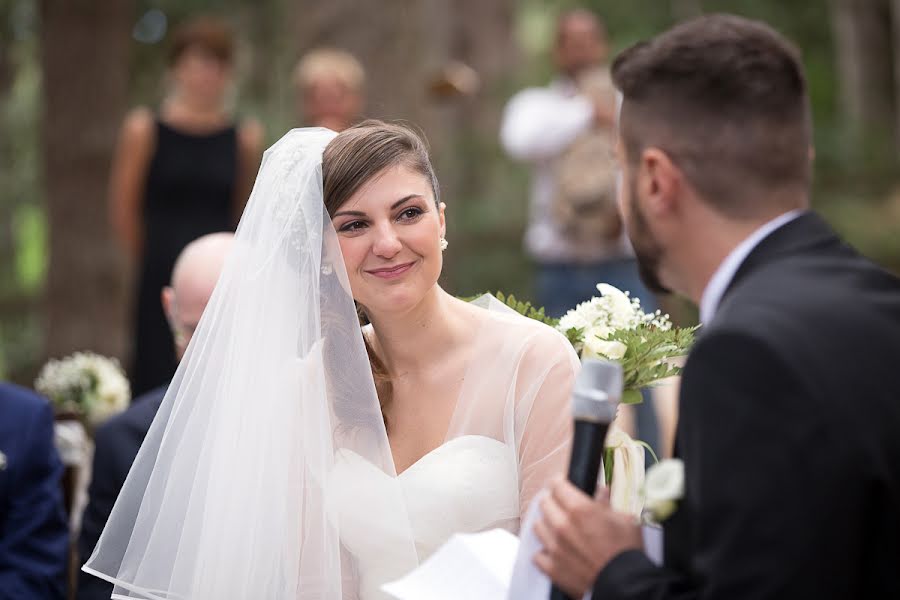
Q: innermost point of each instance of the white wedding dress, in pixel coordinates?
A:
(508, 436)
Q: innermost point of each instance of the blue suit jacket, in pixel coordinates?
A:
(34, 534)
(116, 445)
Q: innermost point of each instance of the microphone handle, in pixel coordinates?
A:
(584, 467)
(587, 455)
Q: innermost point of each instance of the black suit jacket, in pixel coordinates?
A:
(790, 435)
(116, 445)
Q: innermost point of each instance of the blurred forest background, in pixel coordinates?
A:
(69, 69)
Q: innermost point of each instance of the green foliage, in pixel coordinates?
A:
(575, 336)
(525, 308)
(609, 461)
(650, 349)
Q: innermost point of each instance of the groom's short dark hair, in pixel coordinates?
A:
(725, 97)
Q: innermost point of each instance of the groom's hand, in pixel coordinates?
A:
(580, 536)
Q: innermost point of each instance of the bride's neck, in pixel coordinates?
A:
(408, 341)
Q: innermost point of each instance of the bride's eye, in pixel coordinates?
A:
(411, 213)
(352, 226)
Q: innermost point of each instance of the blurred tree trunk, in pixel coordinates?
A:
(7, 205)
(269, 47)
(85, 50)
(895, 35)
(862, 32)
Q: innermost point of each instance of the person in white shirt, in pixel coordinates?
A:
(540, 126)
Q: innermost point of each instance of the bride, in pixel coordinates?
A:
(299, 455)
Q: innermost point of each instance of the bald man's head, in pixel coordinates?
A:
(194, 278)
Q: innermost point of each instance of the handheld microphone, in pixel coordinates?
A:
(595, 397)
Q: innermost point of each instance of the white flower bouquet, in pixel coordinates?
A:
(613, 327)
(86, 385)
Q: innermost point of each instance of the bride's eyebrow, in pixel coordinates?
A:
(404, 200)
(359, 213)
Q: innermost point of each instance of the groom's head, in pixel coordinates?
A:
(714, 136)
(194, 278)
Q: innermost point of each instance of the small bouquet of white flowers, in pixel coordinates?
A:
(85, 385)
(614, 327)
(85, 389)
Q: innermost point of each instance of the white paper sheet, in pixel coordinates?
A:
(528, 582)
(493, 565)
(474, 566)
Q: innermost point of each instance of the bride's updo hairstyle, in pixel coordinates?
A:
(354, 157)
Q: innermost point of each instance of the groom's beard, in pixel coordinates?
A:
(646, 249)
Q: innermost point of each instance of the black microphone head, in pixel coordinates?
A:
(597, 391)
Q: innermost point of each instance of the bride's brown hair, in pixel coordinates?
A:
(353, 158)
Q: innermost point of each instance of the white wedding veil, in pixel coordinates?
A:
(228, 496)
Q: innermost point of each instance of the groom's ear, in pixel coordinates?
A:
(661, 182)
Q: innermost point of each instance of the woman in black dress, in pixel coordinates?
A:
(177, 175)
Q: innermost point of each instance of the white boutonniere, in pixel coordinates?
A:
(663, 488)
(2, 462)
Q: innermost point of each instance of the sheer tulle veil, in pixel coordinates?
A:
(228, 496)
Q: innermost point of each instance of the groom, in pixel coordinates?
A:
(790, 400)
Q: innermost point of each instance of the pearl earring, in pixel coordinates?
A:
(444, 243)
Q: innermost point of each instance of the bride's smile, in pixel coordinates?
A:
(391, 273)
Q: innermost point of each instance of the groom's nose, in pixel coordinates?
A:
(386, 244)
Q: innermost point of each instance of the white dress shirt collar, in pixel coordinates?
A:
(721, 279)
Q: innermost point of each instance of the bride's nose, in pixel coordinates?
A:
(387, 244)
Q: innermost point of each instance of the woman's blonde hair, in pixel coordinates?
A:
(329, 62)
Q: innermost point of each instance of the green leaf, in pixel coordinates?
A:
(526, 309)
(608, 463)
(632, 397)
(649, 449)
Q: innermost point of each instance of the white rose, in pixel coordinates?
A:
(663, 488)
(628, 473)
(594, 347)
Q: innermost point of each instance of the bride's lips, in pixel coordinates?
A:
(391, 272)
